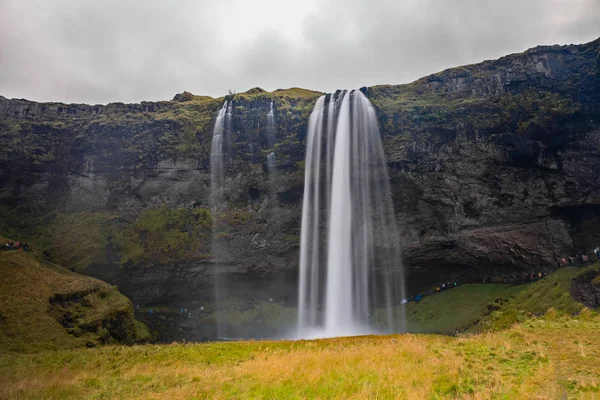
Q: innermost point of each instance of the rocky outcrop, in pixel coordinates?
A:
(43, 306)
(494, 169)
(586, 289)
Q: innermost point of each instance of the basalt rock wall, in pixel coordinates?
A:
(494, 168)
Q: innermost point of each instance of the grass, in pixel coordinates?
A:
(549, 357)
(35, 295)
(455, 309)
(536, 298)
(534, 342)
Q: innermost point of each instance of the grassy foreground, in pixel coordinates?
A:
(551, 357)
(526, 342)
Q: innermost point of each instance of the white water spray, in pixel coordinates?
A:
(271, 158)
(357, 268)
(221, 145)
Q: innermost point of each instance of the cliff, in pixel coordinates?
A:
(494, 170)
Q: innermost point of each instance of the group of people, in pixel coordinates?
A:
(16, 246)
(582, 258)
(439, 288)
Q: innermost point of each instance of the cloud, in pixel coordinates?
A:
(98, 52)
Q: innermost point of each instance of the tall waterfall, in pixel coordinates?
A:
(221, 144)
(349, 252)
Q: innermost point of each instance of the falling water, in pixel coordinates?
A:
(221, 143)
(271, 158)
(216, 152)
(349, 252)
(271, 161)
(271, 126)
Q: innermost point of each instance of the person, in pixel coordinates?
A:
(11, 246)
(26, 247)
(597, 251)
(437, 289)
(17, 245)
(418, 298)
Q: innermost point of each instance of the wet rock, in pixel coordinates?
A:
(587, 291)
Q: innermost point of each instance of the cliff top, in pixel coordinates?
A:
(508, 61)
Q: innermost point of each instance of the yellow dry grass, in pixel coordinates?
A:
(551, 357)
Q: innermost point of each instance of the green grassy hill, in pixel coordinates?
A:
(478, 307)
(456, 309)
(523, 342)
(551, 292)
(44, 307)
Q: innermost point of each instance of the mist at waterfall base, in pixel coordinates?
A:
(350, 262)
(350, 274)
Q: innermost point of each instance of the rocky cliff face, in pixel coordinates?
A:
(494, 170)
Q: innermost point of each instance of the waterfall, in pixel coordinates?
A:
(221, 144)
(271, 126)
(218, 150)
(271, 158)
(349, 252)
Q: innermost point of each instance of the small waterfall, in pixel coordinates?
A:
(271, 126)
(221, 144)
(271, 158)
(219, 148)
(271, 161)
(349, 253)
(216, 153)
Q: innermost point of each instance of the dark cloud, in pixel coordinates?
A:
(97, 52)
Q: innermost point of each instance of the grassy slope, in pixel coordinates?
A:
(552, 356)
(28, 322)
(467, 306)
(547, 357)
(550, 292)
(455, 309)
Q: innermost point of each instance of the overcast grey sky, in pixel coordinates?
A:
(134, 50)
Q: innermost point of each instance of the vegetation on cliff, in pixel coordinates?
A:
(45, 307)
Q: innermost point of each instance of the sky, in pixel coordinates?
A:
(94, 52)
